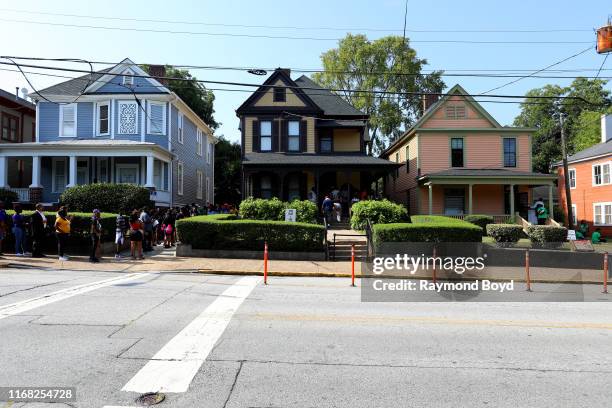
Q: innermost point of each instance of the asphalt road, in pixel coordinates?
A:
(224, 341)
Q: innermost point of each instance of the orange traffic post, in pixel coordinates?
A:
(433, 273)
(527, 274)
(352, 264)
(265, 263)
(605, 273)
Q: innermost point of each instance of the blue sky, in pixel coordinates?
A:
(29, 39)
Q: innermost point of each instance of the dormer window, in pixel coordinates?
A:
(128, 79)
(280, 94)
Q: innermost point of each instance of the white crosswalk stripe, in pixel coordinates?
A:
(33, 303)
(173, 367)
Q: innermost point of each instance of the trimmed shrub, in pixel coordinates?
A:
(8, 197)
(79, 225)
(428, 229)
(378, 212)
(505, 234)
(106, 197)
(205, 232)
(547, 236)
(481, 220)
(274, 209)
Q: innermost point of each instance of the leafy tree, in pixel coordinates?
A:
(359, 63)
(543, 115)
(193, 93)
(588, 130)
(227, 171)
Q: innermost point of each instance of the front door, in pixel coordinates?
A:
(454, 201)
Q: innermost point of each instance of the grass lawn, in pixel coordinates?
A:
(526, 243)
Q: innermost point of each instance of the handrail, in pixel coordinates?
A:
(370, 243)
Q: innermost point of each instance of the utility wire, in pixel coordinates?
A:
(203, 23)
(242, 84)
(538, 71)
(278, 37)
(602, 65)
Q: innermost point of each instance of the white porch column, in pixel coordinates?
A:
(3, 168)
(150, 182)
(72, 171)
(430, 199)
(512, 200)
(35, 172)
(470, 199)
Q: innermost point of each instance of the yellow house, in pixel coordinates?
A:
(300, 140)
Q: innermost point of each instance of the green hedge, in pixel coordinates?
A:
(505, 233)
(481, 220)
(79, 225)
(106, 197)
(227, 232)
(8, 196)
(427, 229)
(548, 236)
(274, 209)
(378, 212)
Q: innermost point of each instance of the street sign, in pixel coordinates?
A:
(290, 215)
(571, 235)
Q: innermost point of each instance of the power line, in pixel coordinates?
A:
(277, 37)
(602, 65)
(203, 23)
(538, 71)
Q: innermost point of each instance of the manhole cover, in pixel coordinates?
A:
(150, 398)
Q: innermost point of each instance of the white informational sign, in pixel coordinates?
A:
(290, 214)
(571, 235)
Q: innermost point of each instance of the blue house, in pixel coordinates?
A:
(119, 125)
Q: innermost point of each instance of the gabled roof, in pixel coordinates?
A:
(72, 87)
(120, 68)
(330, 103)
(314, 96)
(456, 90)
(598, 150)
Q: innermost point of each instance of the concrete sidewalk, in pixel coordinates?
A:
(163, 260)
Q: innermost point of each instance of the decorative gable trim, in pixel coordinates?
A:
(279, 74)
(118, 70)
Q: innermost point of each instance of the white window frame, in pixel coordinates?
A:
(293, 136)
(270, 136)
(603, 214)
(601, 167)
(575, 214)
(180, 176)
(127, 80)
(61, 119)
(570, 171)
(209, 151)
(53, 174)
(120, 166)
(200, 184)
(199, 143)
(150, 130)
(119, 104)
(179, 128)
(97, 116)
(208, 195)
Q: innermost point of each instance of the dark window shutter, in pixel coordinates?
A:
(256, 141)
(275, 146)
(284, 135)
(317, 140)
(303, 135)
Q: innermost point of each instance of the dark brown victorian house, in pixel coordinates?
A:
(297, 137)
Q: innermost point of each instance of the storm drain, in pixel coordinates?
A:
(150, 398)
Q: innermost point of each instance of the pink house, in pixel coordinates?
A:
(457, 159)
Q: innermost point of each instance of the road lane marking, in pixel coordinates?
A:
(173, 367)
(29, 304)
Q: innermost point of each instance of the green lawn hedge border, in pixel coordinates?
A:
(106, 197)
(227, 232)
(505, 234)
(427, 229)
(378, 212)
(481, 220)
(547, 236)
(274, 209)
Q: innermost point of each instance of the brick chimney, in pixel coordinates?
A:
(606, 128)
(427, 100)
(158, 72)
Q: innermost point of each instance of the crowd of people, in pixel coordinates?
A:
(337, 204)
(145, 228)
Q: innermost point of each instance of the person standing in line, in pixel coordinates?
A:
(39, 224)
(62, 232)
(3, 224)
(542, 214)
(327, 208)
(96, 233)
(147, 222)
(120, 229)
(136, 236)
(18, 231)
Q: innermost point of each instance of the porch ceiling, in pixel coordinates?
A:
(487, 176)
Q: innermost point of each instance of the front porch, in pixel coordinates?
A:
(500, 193)
(52, 170)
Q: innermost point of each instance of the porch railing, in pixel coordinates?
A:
(23, 194)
